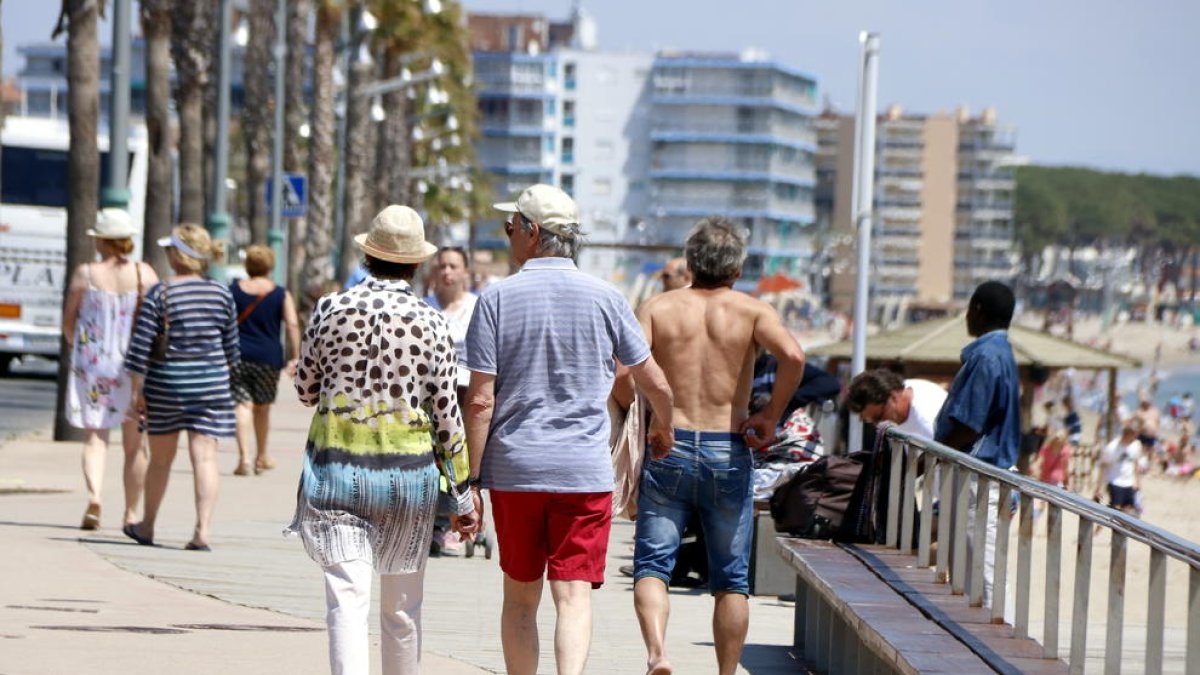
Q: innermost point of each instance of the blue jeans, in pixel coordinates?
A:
(708, 473)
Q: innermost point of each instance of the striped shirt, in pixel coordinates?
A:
(203, 325)
(551, 335)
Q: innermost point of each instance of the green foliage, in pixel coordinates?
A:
(448, 128)
(1073, 206)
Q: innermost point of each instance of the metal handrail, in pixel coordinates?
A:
(1137, 530)
(964, 483)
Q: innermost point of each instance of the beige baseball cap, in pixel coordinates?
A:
(113, 224)
(397, 235)
(547, 206)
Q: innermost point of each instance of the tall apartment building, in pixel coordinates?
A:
(943, 205)
(647, 143)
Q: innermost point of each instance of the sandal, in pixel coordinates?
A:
(263, 464)
(91, 518)
(130, 531)
(192, 546)
(242, 470)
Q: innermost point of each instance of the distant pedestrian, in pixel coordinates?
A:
(1071, 421)
(543, 348)
(451, 295)
(98, 320)
(377, 363)
(1120, 469)
(184, 345)
(1149, 421)
(704, 336)
(262, 307)
(1054, 461)
(675, 274)
(982, 414)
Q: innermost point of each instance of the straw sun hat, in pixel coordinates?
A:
(397, 235)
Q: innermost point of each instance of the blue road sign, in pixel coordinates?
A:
(295, 195)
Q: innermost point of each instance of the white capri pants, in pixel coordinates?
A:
(348, 604)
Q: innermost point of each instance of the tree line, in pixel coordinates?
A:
(1074, 207)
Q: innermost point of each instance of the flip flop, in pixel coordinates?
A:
(191, 546)
(130, 531)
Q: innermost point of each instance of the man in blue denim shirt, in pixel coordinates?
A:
(705, 338)
(982, 413)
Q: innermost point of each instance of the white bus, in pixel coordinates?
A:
(33, 229)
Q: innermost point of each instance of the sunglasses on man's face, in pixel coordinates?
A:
(513, 222)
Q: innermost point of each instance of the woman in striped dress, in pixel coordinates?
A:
(187, 387)
(379, 366)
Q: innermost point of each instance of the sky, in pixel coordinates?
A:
(1109, 84)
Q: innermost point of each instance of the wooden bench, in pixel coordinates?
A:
(870, 609)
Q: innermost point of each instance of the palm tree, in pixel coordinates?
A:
(191, 25)
(78, 18)
(450, 136)
(398, 35)
(360, 145)
(294, 148)
(318, 244)
(256, 115)
(156, 29)
(447, 122)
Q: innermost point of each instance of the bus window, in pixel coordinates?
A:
(38, 177)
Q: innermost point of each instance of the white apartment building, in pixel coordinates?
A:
(647, 143)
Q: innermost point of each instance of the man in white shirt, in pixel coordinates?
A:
(881, 395)
(1119, 468)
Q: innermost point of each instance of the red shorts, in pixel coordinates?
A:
(561, 534)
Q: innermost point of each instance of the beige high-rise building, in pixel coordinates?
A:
(943, 206)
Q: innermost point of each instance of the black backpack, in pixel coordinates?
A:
(815, 502)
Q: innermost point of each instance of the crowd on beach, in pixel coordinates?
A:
(545, 389)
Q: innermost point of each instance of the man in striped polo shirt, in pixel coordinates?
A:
(542, 348)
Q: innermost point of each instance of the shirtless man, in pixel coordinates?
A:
(705, 339)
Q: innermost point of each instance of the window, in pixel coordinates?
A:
(602, 187)
(568, 113)
(569, 76)
(568, 184)
(37, 177)
(670, 80)
(568, 150)
(514, 37)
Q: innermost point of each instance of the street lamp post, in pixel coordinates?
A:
(218, 218)
(275, 235)
(864, 198)
(116, 193)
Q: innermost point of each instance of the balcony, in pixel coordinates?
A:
(521, 126)
(896, 201)
(724, 96)
(695, 204)
(739, 171)
(1004, 205)
(900, 173)
(895, 232)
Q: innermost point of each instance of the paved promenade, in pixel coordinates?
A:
(73, 601)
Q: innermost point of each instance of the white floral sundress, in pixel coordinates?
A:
(98, 390)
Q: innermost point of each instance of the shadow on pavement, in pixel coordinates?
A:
(767, 658)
